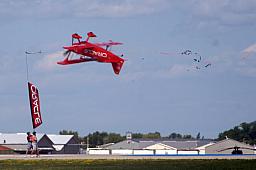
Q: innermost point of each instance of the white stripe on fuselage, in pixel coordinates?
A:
(97, 53)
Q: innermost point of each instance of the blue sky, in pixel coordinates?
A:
(162, 93)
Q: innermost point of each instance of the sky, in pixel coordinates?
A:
(154, 92)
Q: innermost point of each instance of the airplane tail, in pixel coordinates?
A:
(117, 66)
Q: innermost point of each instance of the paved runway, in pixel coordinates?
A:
(82, 156)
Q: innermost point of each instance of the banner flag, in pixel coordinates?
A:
(34, 105)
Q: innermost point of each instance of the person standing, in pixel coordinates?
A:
(29, 145)
(34, 145)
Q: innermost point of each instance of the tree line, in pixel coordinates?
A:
(100, 138)
(245, 132)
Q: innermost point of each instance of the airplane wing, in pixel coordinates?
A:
(89, 46)
(225, 149)
(67, 61)
(248, 148)
(237, 148)
(83, 45)
(110, 43)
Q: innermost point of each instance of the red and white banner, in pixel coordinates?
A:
(34, 105)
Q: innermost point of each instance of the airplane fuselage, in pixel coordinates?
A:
(92, 52)
(95, 52)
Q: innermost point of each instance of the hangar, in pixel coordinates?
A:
(48, 144)
(64, 144)
(152, 147)
(172, 147)
(16, 142)
(227, 146)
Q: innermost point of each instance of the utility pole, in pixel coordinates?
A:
(87, 143)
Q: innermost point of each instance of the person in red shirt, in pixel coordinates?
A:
(29, 145)
(34, 144)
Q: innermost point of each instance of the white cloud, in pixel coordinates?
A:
(174, 71)
(249, 51)
(247, 70)
(134, 76)
(246, 65)
(225, 12)
(49, 62)
(7, 63)
(79, 8)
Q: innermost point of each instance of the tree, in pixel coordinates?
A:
(70, 132)
(187, 137)
(245, 132)
(114, 138)
(99, 138)
(198, 136)
(137, 135)
(175, 136)
(150, 135)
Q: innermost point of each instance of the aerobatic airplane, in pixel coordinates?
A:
(92, 52)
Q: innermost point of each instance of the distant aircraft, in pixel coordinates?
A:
(236, 150)
(197, 59)
(92, 52)
(187, 52)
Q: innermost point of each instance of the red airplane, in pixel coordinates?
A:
(92, 52)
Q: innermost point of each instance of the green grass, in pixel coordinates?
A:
(128, 164)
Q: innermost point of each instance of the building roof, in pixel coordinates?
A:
(126, 144)
(178, 144)
(4, 148)
(60, 139)
(17, 147)
(145, 143)
(229, 143)
(190, 144)
(16, 138)
(205, 146)
(106, 145)
(160, 146)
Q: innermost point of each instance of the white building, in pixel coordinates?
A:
(151, 147)
(173, 147)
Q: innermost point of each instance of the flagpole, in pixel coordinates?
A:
(29, 53)
(27, 69)
(27, 64)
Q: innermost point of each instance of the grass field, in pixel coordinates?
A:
(128, 164)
